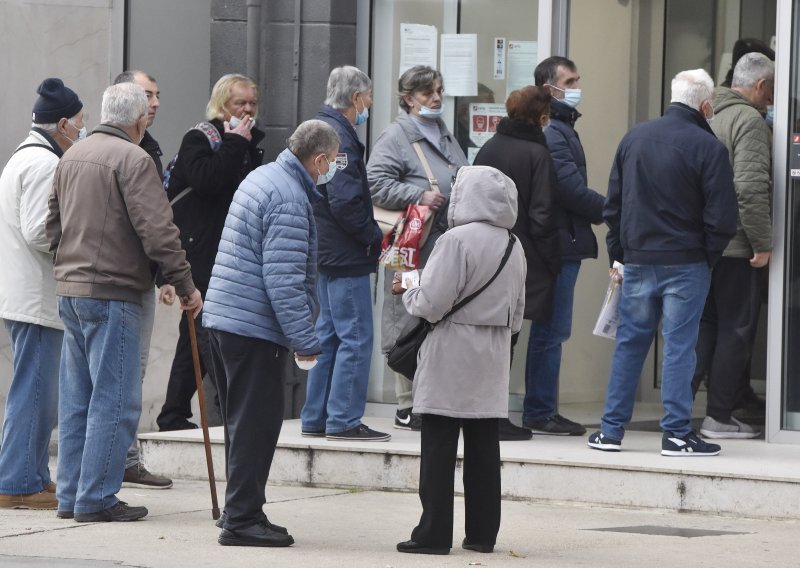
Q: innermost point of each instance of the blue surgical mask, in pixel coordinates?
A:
(770, 115)
(572, 97)
(431, 112)
(327, 177)
(361, 117)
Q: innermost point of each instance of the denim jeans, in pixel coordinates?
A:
(31, 408)
(145, 333)
(543, 363)
(100, 399)
(337, 386)
(674, 295)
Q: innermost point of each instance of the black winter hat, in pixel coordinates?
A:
(750, 45)
(56, 101)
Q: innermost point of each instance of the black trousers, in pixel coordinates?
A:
(181, 386)
(481, 480)
(250, 385)
(727, 333)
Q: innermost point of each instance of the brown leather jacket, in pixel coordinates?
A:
(108, 219)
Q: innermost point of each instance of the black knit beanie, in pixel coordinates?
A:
(56, 101)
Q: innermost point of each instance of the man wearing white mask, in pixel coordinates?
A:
(579, 207)
(28, 298)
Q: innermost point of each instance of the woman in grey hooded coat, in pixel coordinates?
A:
(463, 371)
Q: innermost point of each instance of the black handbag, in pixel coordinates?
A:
(402, 357)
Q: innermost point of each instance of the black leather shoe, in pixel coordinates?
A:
(121, 512)
(412, 547)
(467, 545)
(65, 514)
(254, 535)
(277, 528)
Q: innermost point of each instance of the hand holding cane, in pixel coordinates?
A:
(198, 379)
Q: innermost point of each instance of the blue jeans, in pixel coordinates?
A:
(543, 363)
(674, 295)
(145, 333)
(336, 393)
(31, 408)
(100, 399)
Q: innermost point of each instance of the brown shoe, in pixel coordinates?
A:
(51, 487)
(138, 476)
(40, 500)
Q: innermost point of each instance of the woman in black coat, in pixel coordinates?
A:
(519, 150)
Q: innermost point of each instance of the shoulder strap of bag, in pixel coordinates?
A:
(45, 146)
(511, 240)
(434, 183)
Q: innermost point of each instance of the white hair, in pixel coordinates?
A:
(50, 127)
(692, 88)
(751, 68)
(343, 82)
(313, 137)
(123, 104)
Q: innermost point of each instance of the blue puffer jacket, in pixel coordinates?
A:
(578, 205)
(263, 280)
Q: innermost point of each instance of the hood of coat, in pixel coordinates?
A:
(726, 98)
(482, 194)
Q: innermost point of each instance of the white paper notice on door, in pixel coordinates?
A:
(483, 119)
(417, 46)
(460, 64)
(520, 62)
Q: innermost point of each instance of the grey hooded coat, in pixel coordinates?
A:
(463, 369)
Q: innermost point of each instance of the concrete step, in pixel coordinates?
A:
(750, 478)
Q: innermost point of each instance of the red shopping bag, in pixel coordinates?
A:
(401, 246)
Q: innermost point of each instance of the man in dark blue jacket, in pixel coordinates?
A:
(349, 242)
(577, 208)
(671, 210)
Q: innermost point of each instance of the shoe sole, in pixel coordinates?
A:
(65, 515)
(33, 507)
(544, 433)
(677, 453)
(435, 551)
(80, 519)
(335, 438)
(605, 447)
(134, 485)
(729, 435)
(312, 434)
(404, 427)
(235, 541)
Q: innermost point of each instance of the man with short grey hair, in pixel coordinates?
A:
(108, 222)
(730, 317)
(670, 211)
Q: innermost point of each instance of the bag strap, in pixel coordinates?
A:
(511, 240)
(45, 146)
(434, 183)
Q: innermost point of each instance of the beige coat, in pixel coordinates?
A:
(463, 369)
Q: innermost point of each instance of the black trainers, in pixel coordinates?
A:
(255, 535)
(510, 432)
(405, 419)
(178, 425)
(312, 433)
(412, 547)
(690, 446)
(220, 523)
(556, 425)
(138, 476)
(361, 433)
(600, 441)
(121, 512)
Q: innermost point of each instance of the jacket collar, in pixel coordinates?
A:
(288, 161)
(680, 110)
(521, 130)
(49, 139)
(112, 130)
(336, 115)
(412, 132)
(149, 144)
(256, 134)
(563, 112)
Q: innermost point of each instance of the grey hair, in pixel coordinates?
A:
(50, 128)
(415, 79)
(129, 76)
(343, 83)
(123, 104)
(751, 68)
(692, 88)
(312, 137)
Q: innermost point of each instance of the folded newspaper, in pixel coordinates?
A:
(608, 320)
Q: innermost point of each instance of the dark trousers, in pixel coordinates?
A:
(181, 386)
(727, 333)
(481, 480)
(249, 379)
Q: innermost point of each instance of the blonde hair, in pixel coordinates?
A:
(222, 93)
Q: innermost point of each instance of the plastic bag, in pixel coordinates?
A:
(401, 246)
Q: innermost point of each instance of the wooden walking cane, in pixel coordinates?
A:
(198, 379)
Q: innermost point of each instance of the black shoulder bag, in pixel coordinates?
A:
(402, 358)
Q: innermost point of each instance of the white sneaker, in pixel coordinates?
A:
(732, 429)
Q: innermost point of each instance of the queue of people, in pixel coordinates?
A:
(275, 263)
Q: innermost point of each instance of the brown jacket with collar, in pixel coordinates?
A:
(108, 219)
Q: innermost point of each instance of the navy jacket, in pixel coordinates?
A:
(671, 198)
(578, 206)
(349, 238)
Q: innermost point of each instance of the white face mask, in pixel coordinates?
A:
(327, 176)
(572, 97)
(82, 133)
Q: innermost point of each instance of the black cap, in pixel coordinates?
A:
(750, 45)
(56, 101)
